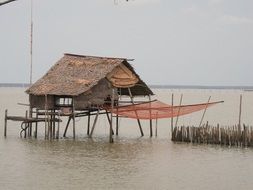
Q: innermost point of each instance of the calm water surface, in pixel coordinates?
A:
(131, 162)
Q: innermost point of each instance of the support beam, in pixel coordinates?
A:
(94, 124)
(171, 119)
(74, 120)
(109, 120)
(36, 126)
(66, 128)
(150, 121)
(139, 123)
(88, 125)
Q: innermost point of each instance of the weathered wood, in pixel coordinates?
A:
(138, 121)
(117, 122)
(206, 134)
(203, 115)
(88, 124)
(180, 103)
(94, 124)
(171, 119)
(150, 115)
(74, 119)
(36, 125)
(240, 111)
(109, 121)
(66, 128)
(5, 123)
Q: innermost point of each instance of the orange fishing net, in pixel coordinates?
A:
(156, 110)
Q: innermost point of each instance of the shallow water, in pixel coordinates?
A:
(131, 162)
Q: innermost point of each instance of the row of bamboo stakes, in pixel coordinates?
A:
(236, 135)
(222, 135)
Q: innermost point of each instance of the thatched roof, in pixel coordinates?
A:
(75, 74)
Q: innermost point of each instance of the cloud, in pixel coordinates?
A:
(229, 19)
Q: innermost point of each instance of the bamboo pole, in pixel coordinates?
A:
(172, 104)
(111, 123)
(139, 123)
(117, 121)
(156, 123)
(66, 128)
(180, 103)
(5, 123)
(58, 126)
(200, 123)
(240, 112)
(94, 124)
(88, 124)
(150, 115)
(36, 125)
(74, 121)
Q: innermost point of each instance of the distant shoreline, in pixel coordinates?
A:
(246, 88)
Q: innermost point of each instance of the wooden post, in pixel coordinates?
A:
(139, 123)
(74, 121)
(88, 125)
(156, 122)
(26, 125)
(94, 123)
(150, 115)
(117, 121)
(111, 123)
(171, 119)
(58, 126)
(240, 112)
(36, 125)
(200, 123)
(180, 103)
(5, 123)
(66, 128)
(109, 120)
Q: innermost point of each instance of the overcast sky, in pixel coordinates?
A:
(179, 42)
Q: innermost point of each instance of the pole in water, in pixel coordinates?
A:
(240, 111)
(172, 104)
(181, 99)
(204, 111)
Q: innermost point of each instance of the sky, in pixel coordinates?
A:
(182, 42)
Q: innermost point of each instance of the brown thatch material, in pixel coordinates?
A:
(75, 74)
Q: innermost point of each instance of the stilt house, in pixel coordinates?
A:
(85, 82)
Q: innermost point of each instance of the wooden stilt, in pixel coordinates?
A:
(111, 128)
(204, 111)
(172, 104)
(30, 124)
(74, 120)
(109, 120)
(26, 115)
(66, 128)
(5, 123)
(156, 123)
(139, 123)
(150, 121)
(36, 125)
(58, 126)
(94, 123)
(180, 103)
(88, 125)
(117, 124)
(53, 124)
(240, 111)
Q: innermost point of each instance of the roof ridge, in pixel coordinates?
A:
(100, 57)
